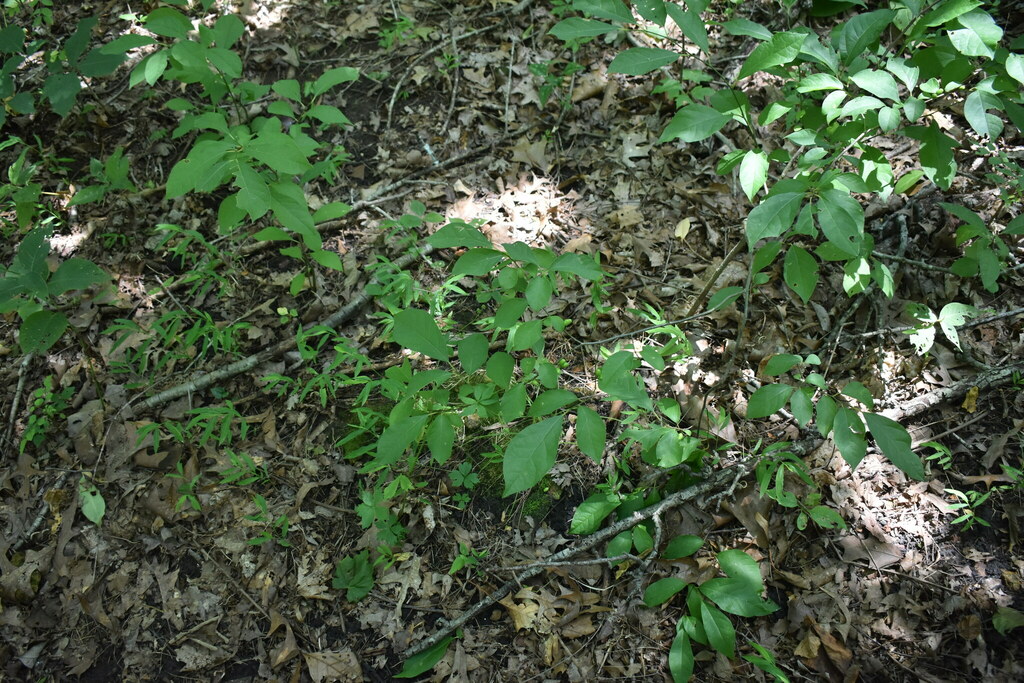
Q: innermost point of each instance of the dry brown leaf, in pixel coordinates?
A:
(524, 614)
(333, 666)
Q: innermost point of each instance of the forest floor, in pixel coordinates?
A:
(451, 111)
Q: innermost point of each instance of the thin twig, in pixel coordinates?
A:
(675, 500)
(15, 404)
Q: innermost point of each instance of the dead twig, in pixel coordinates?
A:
(710, 485)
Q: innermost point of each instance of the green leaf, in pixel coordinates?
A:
(202, 162)
(328, 114)
(618, 381)
(41, 330)
(61, 90)
(12, 39)
(742, 567)
(499, 368)
(551, 400)
(745, 27)
(773, 216)
(575, 28)
(473, 352)
(642, 540)
(478, 262)
(693, 123)
(800, 271)
(612, 10)
(826, 517)
(861, 32)
(818, 81)
(860, 392)
(976, 108)
(801, 406)
(781, 49)
(76, 273)
(458, 234)
(621, 544)
(848, 433)
(531, 454)
(948, 11)
(538, 293)
(441, 437)
(253, 192)
(396, 440)
(1006, 619)
(953, 316)
(577, 264)
(894, 441)
(720, 632)
(781, 363)
(91, 501)
(682, 546)
(936, 153)
(327, 259)
(724, 297)
(354, 574)
(735, 597)
(662, 590)
(1015, 66)
(825, 410)
(753, 173)
(979, 36)
(842, 220)
(768, 400)
(167, 22)
(88, 194)
(226, 62)
(331, 211)
(592, 512)
(680, 658)
(227, 30)
(590, 433)
(415, 329)
(637, 61)
(513, 403)
(690, 24)
(288, 88)
(651, 10)
(878, 83)
(288, 202)
(333, 77)
(279, 152)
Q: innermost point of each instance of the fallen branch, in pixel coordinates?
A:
(720, 479)
(205, 381)
(986, 380)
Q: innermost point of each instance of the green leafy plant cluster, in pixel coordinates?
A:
(879, 74)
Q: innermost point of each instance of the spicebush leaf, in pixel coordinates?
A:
(551, 400)
(41, 330)
(637, 61)
(680, 658)
(894, 440)
(936, 154)
(878, 83)
(746, 27)
(662, 590)
(953, 316)
(800, 271)
(92, 503)
(575, 28)
(473, 352)
(735, 597)
(978, 37)
(441, 437)
(848, 433)
(75, 273)
(288, 202)
(396, 439)
(531, 454)
(773, 216)
(592, 512)
(693, 123)
(720, 632)
(768, 400)
(841, 218)
(618, 381)
(590, 433)
(426, 660)
(690, 23)
(167, 22)
(682, 546)
(333, 77)
(279, 152)
(458, 234)
(860, 32)
(651, 10)
(753, 173)
(742, 567)
(612, 10)
(415, 329)
(781, 49)
(478, 261)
